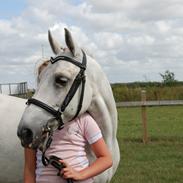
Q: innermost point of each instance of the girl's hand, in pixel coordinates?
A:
(69, 173)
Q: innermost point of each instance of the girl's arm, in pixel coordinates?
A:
(29, 166)
(103, 162)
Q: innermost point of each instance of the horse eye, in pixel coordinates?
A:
(61, 81)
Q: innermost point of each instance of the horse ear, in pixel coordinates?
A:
(56, 48)
(71, 44)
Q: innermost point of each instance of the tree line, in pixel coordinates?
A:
(168, 89)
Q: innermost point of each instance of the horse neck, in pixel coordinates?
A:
(103, 107)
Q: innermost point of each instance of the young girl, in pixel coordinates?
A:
(70, 145)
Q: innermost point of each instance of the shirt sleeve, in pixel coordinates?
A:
(92, 132)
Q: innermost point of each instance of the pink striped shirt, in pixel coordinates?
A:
(69, 144)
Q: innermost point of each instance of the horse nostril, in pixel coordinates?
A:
(26, 135)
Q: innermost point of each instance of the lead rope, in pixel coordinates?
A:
(52, 160)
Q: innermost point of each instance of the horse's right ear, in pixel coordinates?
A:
(56, 48)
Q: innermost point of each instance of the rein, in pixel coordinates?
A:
(79, 80)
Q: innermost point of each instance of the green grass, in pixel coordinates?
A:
(159, 161)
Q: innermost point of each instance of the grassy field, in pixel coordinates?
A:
(161, 160)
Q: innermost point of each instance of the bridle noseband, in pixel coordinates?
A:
(79, 79)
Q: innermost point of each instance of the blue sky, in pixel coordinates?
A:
(11, 8)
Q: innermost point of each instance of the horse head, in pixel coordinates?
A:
(56, 77)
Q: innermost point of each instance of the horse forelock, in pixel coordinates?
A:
(40, 66)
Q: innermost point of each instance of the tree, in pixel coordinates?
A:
(168, 77)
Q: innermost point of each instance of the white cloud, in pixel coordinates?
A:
(130, 39)
(163, 26)
(108, 40)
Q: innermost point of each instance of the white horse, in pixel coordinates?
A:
(55, 80)
(11, 152)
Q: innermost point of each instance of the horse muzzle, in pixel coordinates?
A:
(26, 136)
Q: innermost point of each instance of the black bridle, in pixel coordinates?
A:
(79, 79)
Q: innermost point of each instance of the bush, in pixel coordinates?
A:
(154, 91)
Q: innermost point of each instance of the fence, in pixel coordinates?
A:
(14, 89)
(150, 103)
(144, 104)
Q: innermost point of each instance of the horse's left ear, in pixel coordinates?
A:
(71, 44)
(56, 48)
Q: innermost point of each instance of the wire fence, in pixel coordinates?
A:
(14, 89)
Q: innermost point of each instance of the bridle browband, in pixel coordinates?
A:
(79, 79)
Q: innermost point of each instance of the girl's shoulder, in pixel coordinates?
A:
(86, 119)
(89, 127)
(85, 116)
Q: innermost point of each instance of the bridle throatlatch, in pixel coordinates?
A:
(79, 79)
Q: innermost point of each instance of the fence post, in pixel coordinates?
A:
(9, 88)
(144, 116)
